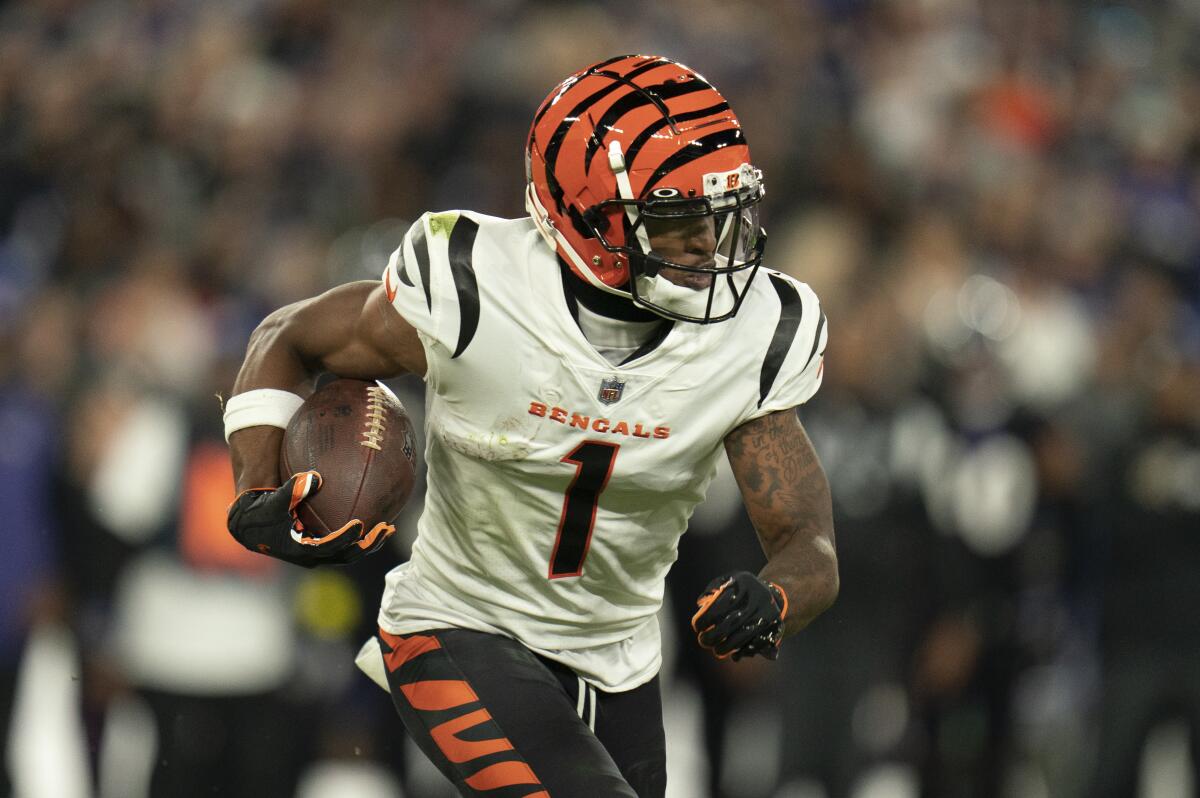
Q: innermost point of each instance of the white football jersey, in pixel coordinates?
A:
(559, 484)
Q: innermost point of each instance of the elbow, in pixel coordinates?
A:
(831, 584)
(271, 329)
(277, 331)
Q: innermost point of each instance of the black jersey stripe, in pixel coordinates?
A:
(402, 269)
(421, 248)
(697, 149)
(560, 133)
(816, 340)
(640, 140)
(461, 250)
(573, 285)
(648, 95)
(595, 68)
(791, 309)
(652, 342)
(401, 262)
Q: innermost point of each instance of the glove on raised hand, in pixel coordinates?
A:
(264, 521)
(740, 615)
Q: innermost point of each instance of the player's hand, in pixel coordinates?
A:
(264, 521)
(740, 615)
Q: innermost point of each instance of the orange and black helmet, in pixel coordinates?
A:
(643, 138)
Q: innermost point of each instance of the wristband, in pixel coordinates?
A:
(262, 407)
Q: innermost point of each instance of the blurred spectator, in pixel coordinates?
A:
(31, 372)
(1147, 528)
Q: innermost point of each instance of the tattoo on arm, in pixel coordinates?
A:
(787, 496)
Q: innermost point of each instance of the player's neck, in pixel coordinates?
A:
(617, 329)
(601, 302)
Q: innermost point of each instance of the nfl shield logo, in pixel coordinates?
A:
(610, 390)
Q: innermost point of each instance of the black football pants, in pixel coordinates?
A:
(502, 722)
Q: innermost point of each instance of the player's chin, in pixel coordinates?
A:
(697, 281)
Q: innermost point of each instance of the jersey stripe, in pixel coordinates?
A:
(421, 248)
(461, 252)
(649, 95)
(640, 140)
(791, 309)
(401, 263)
(652, 342)
(703, 146)
(816, 340)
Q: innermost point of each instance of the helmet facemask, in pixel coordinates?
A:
(693, 288)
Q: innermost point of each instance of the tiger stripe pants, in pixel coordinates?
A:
(501, 722)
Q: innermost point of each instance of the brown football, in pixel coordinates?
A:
(358, 437)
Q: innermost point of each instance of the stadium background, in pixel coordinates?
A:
(996, 201)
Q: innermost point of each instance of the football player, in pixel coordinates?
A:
(585, 367)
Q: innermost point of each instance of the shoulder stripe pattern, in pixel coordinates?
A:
(462, 269)
(816, 340)
(652, 342)
(790, 311)
(421, 247)
(402, 266)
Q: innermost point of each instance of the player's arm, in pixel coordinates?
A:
(350, 331)
(787, 497)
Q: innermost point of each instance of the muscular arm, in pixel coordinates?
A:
(787, 497)
(350, 331)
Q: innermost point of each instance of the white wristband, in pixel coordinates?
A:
(262, 407)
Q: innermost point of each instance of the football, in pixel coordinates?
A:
(357, 435)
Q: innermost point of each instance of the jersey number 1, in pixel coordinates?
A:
(593, 461)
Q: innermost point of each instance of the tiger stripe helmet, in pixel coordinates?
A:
(642, 139)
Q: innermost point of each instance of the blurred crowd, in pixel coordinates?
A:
(998, 203)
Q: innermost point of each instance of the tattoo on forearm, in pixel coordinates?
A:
(787, 497)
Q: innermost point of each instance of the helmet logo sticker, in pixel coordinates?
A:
(744, 177)
(611, 390)
(665, 193)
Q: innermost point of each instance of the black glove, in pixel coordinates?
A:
(264, 521)
(740, 615)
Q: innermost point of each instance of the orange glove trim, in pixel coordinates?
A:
(310, 541)
(303, 486)
(381, 529)
(704, 602)
(783, 611)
